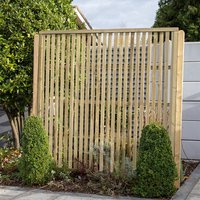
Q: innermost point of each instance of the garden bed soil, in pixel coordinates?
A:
(95, 183)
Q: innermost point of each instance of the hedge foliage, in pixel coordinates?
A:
(35, 163)
(156, 169)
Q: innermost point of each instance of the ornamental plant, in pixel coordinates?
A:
(35, 163)
(156, 169)
(19, 21)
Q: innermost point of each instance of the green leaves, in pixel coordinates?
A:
(35, 163)
(19, 20)
(156, 171)
(184, 14)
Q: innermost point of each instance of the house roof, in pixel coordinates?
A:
(81, 19)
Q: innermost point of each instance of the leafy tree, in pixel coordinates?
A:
(184, 14)
(19, 21)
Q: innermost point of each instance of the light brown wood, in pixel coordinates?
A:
(112, 142)
(154, 70)
(61, 109)
(119, 100)
(89, 84)
(173, 90)
(47, 64)
(179, 91)
(108, 103)
(160, 78)
(149, 55)
(101, 161)
(130, 98)
(111, 31)
(57, 86)
(71, 122)
(166, 69)
(92, 102)
(124, 110)
(52, 105)
(77, 90)
(136, 107)
(67, 93)
(141, 103)
(40, 76)
(83, 42)
(97, 129)
(35, 74)
(47, 87)
(86, 147)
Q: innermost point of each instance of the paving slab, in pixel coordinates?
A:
(190, 190)
(18, 193)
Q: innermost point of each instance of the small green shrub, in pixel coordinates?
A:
(156, 170)
(60, 173)
(35, 163)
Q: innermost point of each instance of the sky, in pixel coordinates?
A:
(118, 13)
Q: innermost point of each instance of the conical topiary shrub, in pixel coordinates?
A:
(156, 169)
(35, 162)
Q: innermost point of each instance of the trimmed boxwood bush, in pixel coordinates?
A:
(35, 163)
(156, 169)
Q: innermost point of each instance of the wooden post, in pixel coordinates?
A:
(178, 104)
(35, 74)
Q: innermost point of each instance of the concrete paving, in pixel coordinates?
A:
(190, 190)
(18, 193)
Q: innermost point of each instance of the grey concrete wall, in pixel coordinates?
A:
(191, 102)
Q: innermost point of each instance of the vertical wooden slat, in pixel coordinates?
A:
(52, 113)
(108, 128)
(166, 86)
(60, 155)
(112, 147)
(46, 118)
(102, 103)
(86, 149)
(43, 70)
(92, 100)
(57, 98)
(35, 73)
(124, 110)
(71, 123)
(41, 77)
(83, 41)
(153, 94)
(130, 97)
(149, 53)
(179, 91)
(66, 123)
(136, 99)
(76, 121)
(119, 100)
(160, 77)
(98, 91)
(173, 72)
(142, 84)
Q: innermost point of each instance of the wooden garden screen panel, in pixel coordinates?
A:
(96, 89)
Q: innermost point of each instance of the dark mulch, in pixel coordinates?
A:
(188, 167)
(96, 183)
